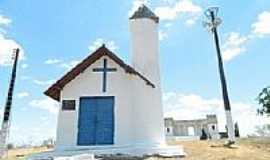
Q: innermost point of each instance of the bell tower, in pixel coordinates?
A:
(145, 59)
(145, 43)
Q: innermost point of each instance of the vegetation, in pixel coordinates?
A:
(204, 135)
(263, 131)
(264, 100)
(236, 130)
(10, 146)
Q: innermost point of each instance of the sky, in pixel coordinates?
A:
(56, 35)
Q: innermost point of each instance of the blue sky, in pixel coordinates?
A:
(55, 35)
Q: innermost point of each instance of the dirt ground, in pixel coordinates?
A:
(247, 149)
(23, 152)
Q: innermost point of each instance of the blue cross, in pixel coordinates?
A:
(105, 70)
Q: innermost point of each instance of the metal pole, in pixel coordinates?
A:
(6, 119)
(226, 100)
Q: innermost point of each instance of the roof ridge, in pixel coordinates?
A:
(144, 12)
(54, 90)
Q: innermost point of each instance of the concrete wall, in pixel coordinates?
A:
(145, 48)
(138, 110)
(145, 59)
(148, 115)
(89, 83)
(181, 127)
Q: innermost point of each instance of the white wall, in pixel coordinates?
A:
(89, 83)
(148, 108)
(148, 114)
(145, 48)
(213, 132)
(138, 110)
(138, 107)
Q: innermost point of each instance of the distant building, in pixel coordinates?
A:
(192, 128)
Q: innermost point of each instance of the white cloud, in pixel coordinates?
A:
(235, 43)
(23, 94)
(235, 39)
(98, 42)
(7, 45)
(192, 106)
(136, 4)
(52, 61)
(182, 7)
(168, 25)
(169, 1)
(190, 22)
(4, 20)
(234, 46)
(43, 82)
(162, 35)
(60, 63)
(1, 112)
(69, 65)
(6, 50)
(262, 26)
(46, 104)
(33, 134)
(25, 78)
(24, 66)
(230, 53)
(44, 118)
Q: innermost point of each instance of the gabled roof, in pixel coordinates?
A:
(54, 90)
(144, 12)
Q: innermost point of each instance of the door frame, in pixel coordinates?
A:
(113, 117)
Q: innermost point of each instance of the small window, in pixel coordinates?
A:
(68, 105)
(168, 130)
(213, 127)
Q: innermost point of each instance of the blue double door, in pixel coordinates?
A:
(96, 121)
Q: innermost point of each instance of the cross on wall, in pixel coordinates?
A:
(104, 70)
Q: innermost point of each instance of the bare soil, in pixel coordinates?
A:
(246, 149)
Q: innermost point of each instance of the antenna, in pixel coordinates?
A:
(4, 132)
(212, 23)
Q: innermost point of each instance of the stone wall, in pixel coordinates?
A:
(192, 128)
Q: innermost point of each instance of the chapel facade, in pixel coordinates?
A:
(105, 102)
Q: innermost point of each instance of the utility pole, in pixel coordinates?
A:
(4, 133)
(212, 23)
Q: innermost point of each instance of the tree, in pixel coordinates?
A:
(263, 131)
(10, 146)
(204, 135)
(49, 143)
(264, 100)
(236, 130)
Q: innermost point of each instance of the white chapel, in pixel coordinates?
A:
(108, 105)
